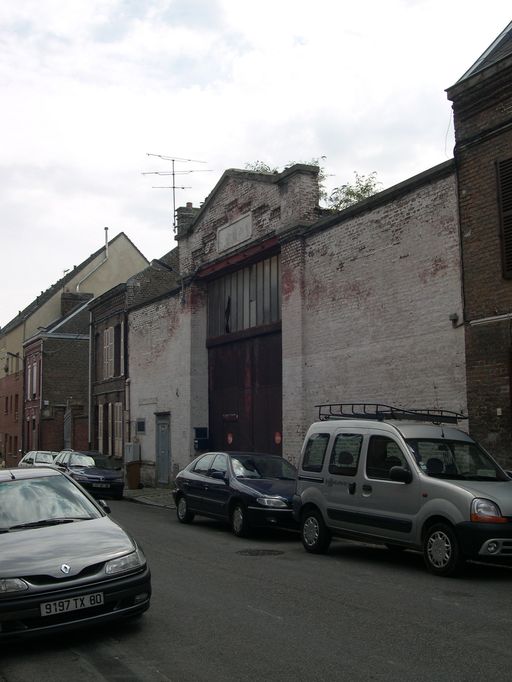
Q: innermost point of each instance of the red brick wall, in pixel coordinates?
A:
(483, 128)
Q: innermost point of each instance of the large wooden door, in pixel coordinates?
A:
(245, 394)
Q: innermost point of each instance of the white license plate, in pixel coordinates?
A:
(52, 608)
(101, 485)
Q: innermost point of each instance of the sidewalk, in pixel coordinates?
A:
(157, 497)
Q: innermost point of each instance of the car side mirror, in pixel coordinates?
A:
(400, 474)
(220, 475)
(104, 506)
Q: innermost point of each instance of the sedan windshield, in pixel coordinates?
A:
(459, 460)
(262, 466)
(46, 500)
(44, 458)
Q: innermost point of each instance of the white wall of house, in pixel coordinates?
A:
(163, 338)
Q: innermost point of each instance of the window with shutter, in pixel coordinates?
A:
(118, 429)
(505, 205)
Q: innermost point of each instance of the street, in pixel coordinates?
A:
(224, 608)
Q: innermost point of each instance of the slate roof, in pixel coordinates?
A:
(158, 280)
(499, 49)
(55, 288)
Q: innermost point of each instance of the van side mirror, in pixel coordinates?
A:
(400, 474)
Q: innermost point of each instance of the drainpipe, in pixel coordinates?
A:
(91, 415)
(99, 264)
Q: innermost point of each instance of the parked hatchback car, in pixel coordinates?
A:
(63, 562)
(102, 476)
(409, 479)
(246, 489)
(37, 458)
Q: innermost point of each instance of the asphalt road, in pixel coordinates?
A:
(263, 609)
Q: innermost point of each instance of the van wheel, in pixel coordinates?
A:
(314, 534)
(183, 512)
(441, 550)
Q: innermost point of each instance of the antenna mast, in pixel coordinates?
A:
(173, 173)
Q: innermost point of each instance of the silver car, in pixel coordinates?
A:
(37, 458)
(64, 563)
(409, 479)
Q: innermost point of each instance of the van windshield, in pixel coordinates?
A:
(451, 459)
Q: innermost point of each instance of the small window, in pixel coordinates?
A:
(141, 426)
(383, 453)
(345, 454)
(203, 465)
(504, 169)
(314, 452)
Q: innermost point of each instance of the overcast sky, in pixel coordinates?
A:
(90, 87)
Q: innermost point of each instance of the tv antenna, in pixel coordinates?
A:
(173, 173)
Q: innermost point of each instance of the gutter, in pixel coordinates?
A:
(98, 266)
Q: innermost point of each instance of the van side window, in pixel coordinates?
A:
(383, 453)
(314, 452)
(345, 454)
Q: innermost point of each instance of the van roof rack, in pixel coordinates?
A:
(381, 412)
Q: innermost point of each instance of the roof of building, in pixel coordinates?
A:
(55, 288)
(158, 280)
(499, 49)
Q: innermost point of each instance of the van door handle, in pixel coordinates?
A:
(351, 488)
(367, 488)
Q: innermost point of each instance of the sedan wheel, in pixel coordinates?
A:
(314, 534)
(239, 523)
(182, 511)
(441, 550)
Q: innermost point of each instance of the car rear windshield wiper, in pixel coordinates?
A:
(49, 522)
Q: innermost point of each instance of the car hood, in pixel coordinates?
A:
(499, 492)
(98, 472)
(42, 551)
(271, 486)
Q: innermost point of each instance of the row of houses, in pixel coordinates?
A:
(269, 305)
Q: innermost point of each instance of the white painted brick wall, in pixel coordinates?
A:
(372, 316)
(168, 373)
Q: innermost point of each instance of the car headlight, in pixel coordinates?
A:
(10, 585)
(80, 478)
(276, 502)
(123, 564)
(485, 511)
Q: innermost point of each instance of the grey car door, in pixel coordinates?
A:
(362, 499)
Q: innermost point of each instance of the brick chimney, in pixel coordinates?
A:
(185, 216)
(70, 300)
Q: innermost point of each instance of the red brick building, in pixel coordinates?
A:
(56, 383)
(482, 105)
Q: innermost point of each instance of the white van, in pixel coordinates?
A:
(406, 479)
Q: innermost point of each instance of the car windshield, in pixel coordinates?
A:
(262, 466)
(44, 457)
(81, 461)
(45, 500)
(459, 460)
(104, 462)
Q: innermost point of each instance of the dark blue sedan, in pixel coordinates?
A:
(246, 489)
(100, 475)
